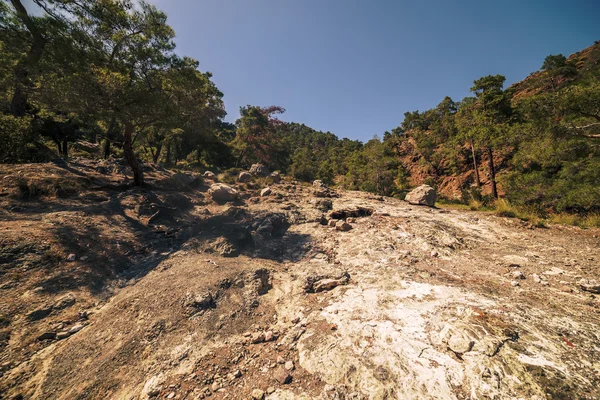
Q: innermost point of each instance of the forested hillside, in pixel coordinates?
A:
(102, 79)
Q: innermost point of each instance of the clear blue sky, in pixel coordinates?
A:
(354, 67)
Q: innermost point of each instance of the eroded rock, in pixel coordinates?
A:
(423, 195)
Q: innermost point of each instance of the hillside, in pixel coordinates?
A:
(117, 292)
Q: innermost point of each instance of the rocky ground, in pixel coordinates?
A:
(300, 293)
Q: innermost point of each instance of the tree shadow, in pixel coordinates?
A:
(124, 237)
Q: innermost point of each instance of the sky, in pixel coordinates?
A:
(354, 67)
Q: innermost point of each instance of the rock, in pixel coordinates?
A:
(319, 184)
(62, 335)
(259, 170)
(323, 220)
(258, 394)
(343, 226)
(326, 284)
(265, 192)
(171, 395)
(237, 373)
(215, 386)
(195, 302)
(257, 337)
(518, 275)
(591, 286)
(71, 257)
(423, 195)
(222, 193)
(209, 174)
(536, 278)
(65, 301)
(515, 283)
(289, 365)
(47, 336)
(459, 344)
(275, 177)
(282, 376)
(40, 313)
(187, 179)
(332, 222)
(269, 336)
(76, 328)
(244, 177)
(270, 390)
(280, 360)
(152, 387)
(324, 205)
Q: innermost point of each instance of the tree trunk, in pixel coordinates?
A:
(492, 173)
(475, 168)
(168, 154)
(156, 155)
(106, 148)
(65, 151)
(138, 173)
(18, 104)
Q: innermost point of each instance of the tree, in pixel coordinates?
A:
(256, 135)
(484, 119)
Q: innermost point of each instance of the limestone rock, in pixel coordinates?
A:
(423, 195)
(244, 176)
(282, 376)
(259, 170)
(275, 177)
(343, 226)
(222, 193)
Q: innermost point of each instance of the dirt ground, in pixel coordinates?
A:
(113, 292)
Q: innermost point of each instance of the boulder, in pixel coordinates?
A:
(187, 179)
(424, 195)
(209, 174)
(265, 192)
(259, 170)
(222, 193)
(319, 184)
(244, 176)
(275, 177)
(343, 226)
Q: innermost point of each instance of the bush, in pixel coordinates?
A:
(18, 142)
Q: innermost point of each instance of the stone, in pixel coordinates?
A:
(65, 301)
(62, 335)
(423, 195)
(76, 328)
(270, 390)
(258, 394)
(333, 222)
(259, 170)
(71, 257)
(282, 376)
(343, 226)
(319, 184)
(459, 344)
(280, 360)
(289, 365)
(324, 205)
(269, 336)
(199, 301)
(518, 275)
(591, 286)
(536, 278)
(257, 337)
(237, 373)
(47, 336)
(209, 174)
(326, 284)
(215, 386)
(244, 177)
(171, 395)
(515, 283)
(275, 177)
(187, 179)
(265, 192)
(221, 192)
